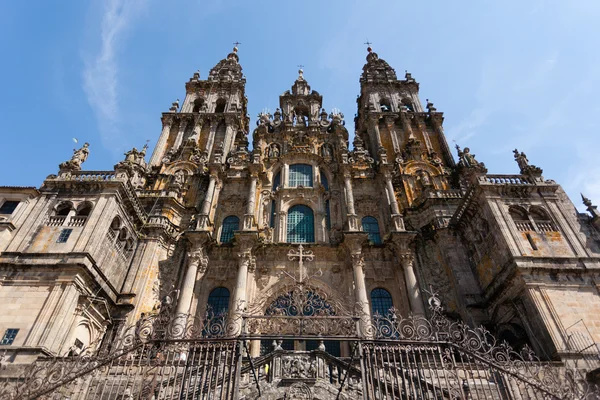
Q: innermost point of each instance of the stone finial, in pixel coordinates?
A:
(430, 106)
(587, 202)
(78, 158)
(196, 75)
(174, 106)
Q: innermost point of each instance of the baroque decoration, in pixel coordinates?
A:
(296, 266)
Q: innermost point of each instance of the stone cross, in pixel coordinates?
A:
(301, 255)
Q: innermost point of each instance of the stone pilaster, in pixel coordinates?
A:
(203, 217)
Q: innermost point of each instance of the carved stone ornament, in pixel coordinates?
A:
(198, 258)
(246, 259)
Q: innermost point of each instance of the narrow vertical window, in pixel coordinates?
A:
(230, 225)
(272, 221)
(327, 215)
(324, 181)
(300, 225)
(64, 235)
(301, 175)
(381, 301)
(371, 226)
(9, 336)
(277, 181)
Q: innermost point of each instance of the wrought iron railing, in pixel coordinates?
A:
(176, 356)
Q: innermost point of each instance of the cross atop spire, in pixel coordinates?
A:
(300, 70)
(369, 49)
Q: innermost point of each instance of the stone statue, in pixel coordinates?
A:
(524, 166)
(521, 160)
(78, 158)
(179, 178)
(326, 150)
(467, 160)
(274, 150)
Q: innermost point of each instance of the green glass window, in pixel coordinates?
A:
(371, 226)
(300, 225)
(218, 300)
(381, 301)
(301, 175)
(230, 224)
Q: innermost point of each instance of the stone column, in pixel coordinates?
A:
(374, 128)
(159, 149)
(397, 218)
(412, 286)
(352, 221)
(197, 262)
(207, 203)
(391, 125)
(250, 209)
(246, 262)
(360, 293)
(179, 139)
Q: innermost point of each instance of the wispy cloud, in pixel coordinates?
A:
(100, 75)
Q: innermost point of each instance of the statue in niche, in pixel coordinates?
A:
(424, 178)
(274, 150)
(326, 150)
(78, 158)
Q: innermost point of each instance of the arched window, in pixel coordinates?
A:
(371, 226)
(220, 106)
(277, 181)
(218, 300)
(84, 210)
(63, 209)
(381, 301)
(198, 103)
(230, 224)
(324, 181)
(301, 175)
(519, 216)
(300, 225)
(384, 105)
(542, 220)
(407, 104)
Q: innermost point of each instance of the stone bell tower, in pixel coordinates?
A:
(392, 123)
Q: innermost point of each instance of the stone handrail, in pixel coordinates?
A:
(89, 176)
(505, 180)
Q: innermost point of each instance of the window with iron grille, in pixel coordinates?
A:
(230, 225)
(9, 336)
(371, 226)
(218, 300)
(8, 207)
(64, 235)
(381, 301)
(301, 175)
(300, 225)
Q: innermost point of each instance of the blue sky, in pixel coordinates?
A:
(505, 73)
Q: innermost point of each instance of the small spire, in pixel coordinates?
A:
(587, 202)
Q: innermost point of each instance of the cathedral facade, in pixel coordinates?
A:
(314, 265)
